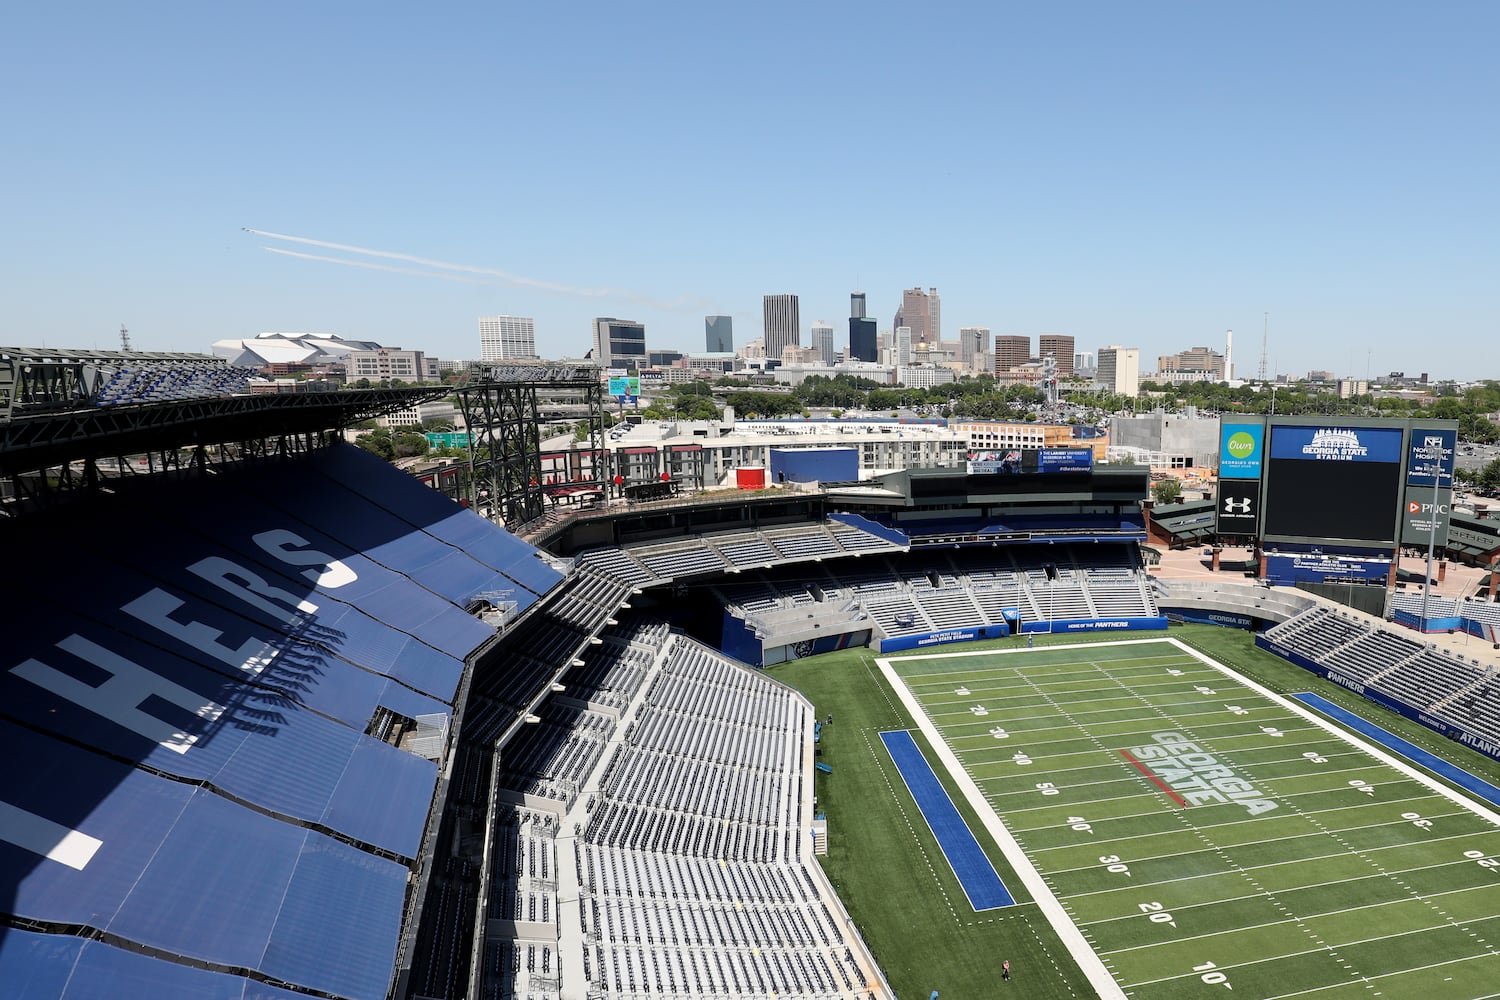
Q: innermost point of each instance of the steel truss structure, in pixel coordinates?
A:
(501, 408)
(50, 458)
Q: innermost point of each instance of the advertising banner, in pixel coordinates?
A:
(1336, 444)
(1096, 624)
(625, 389)
(1241, 448)
(1312, 567)
(1238, 506)
(1011, 460)
(1431, 450)
(1419, 517)
(993, 462)
(922, 640)
(1065, 460)
(1200, 616)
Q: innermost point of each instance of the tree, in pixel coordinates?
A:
(391, 445)
(377, 442)
(1166, 491)
(1489, 476)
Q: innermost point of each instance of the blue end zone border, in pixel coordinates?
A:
(1410, 751)
(971, 866)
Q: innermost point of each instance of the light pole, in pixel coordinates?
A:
(1434, 455)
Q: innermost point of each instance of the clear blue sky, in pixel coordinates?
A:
(1142, 174)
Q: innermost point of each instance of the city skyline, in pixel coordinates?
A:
(1117, 176)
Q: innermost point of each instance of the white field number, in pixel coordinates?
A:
(1204, 690)
(1237, 710)
(1417, 820)
(1315, 757)
(1080, 824)
(1156, 914)
(1271, 731)
(1173, 672)
(1211, 977)
(1484, 862)
(1361, 785)
(1112, 863)
(1021, 758)
(1047, 788)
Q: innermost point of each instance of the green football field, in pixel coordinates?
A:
(1183, 826)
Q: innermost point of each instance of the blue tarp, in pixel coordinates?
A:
(59, 967)
(440, 517)
(181, 869)
(365, 526)
(177, 741)
(132, 570)
(258, 747)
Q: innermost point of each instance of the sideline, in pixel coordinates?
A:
(1072, 938)
(1473, 784)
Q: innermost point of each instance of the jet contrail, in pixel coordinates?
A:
(504, 276)
(484, 275)
(367, 265)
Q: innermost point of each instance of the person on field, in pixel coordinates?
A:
(1005, 970)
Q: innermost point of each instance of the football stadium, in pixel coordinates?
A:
(285, 721)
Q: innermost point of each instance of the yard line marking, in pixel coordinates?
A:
(1246, 843)
(1316, 951)
(1341, 853)
(1212, 826)
(1384, 975)
(1282, 864)
(1151, 776)
(1180, 907)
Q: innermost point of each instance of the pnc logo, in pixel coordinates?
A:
(1241, 444)
(1413, 508)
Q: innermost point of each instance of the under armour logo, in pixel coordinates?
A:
(1237, 505)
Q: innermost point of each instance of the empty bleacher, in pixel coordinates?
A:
(931, 590)
(157, 381)
(1392, 662)
(682, 844)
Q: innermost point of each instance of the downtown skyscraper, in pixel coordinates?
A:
(1060, 346)
(783, 324)
(922, 312)
(619, 343)
(822, 342)
(1011, 351)
(506, 338)
(718, 334)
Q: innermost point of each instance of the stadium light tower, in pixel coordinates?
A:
(1433, 453)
